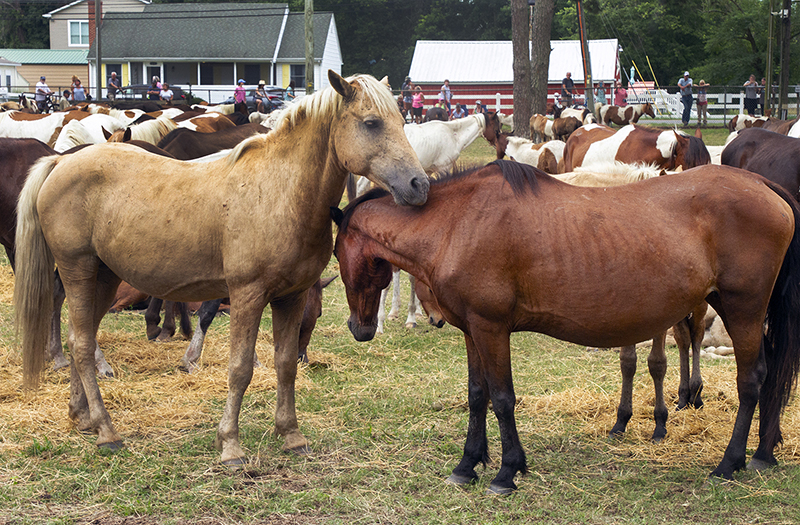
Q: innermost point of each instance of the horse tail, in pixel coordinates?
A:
(782, 338)
(33, 287)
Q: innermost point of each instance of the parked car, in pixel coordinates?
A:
(274, 93)
(139, 92)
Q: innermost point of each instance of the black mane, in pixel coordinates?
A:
(521, 178)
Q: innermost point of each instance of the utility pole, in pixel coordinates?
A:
(98, 17)
(771, 35)
(786, 38)
(309, 33)
(588, 83)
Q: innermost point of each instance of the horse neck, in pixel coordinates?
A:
(468, 128)
(516, 144)
(407, 238)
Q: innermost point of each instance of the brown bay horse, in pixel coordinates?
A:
(772, 155)
(254, 227)
(187, 144)
(490, 245)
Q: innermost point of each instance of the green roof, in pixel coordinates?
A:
(45, 56)
(203, 31)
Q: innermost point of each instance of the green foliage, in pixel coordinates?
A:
(22, 25)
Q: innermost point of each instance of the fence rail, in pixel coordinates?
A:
(723, 101)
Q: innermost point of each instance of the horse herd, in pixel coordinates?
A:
(495, 250)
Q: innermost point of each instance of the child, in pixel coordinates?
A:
(702, 103)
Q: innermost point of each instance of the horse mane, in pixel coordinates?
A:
(606, 174)
(153, 131)
(74, 133)
(320, 107)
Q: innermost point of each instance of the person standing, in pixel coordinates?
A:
(702, 103)
(567, 90)
(417, 105)
(407, 91)
(154, 91)
(751, 95)
(239, 95)
(42, 92)
(763, 95)
(166, 93)
(600, 93)
(113, 86)
(685, 85)
(620, 96)
(78, 91)
(447, 96)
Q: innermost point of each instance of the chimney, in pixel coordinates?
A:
(91, 6)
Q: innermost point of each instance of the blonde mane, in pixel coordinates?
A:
(320, 108)
(153, 131)
(606, 174)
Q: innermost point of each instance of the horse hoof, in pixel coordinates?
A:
(497, 490)
(235, 463)
(411, 325)
(301, 451)
(758, 465)
(459, 480)
(111, 446)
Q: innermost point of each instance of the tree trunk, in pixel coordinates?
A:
(785, 62)
(520, 20)
(540, 54)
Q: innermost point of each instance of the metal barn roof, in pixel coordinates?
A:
(46, 56)
(492, 61)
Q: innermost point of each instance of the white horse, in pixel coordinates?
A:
(45, 129)
(439, 144)
(86, 131)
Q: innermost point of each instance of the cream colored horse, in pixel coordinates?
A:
(254, 226)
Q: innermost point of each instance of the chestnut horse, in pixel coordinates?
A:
(622, 116)
(631, 144)
(491, 246)
(254, 227)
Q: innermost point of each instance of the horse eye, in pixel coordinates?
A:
(372, 123)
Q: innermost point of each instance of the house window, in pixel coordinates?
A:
(297, 73)
(78, 33)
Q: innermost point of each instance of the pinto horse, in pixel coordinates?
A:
(622, 116)
(254, 227)
(669, 149)
(490, 245)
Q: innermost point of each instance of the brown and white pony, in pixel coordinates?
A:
(541, 128)
(622, 116)
(668, 149)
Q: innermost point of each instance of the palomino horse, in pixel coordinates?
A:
(622, 116)
(254, 227)
(670, 149)
(490, 245)
(772, 155)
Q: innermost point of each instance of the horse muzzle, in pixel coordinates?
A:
(361, 332)
(411, 193)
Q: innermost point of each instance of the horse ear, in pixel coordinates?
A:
(126, 137)
(336, 215)
(340, 85)
(328, 280)
(106, 134)
(385, 81)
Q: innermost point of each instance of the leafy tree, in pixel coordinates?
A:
(22, 25)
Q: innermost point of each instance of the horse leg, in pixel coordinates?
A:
(683, 336)
(246, 309)
(627, 365)
(287, 315)
(395, 311)
(697, 328)
(495, 353)
(657, 364)
(152, 316)
(382, 311)
(476, 449)
(90, 298)
(751, 370)
(168, 328)
(208, 310)
(186, 321)
(56, 350)
(411, 320)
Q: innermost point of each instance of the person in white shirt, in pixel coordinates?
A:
(42, 91)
